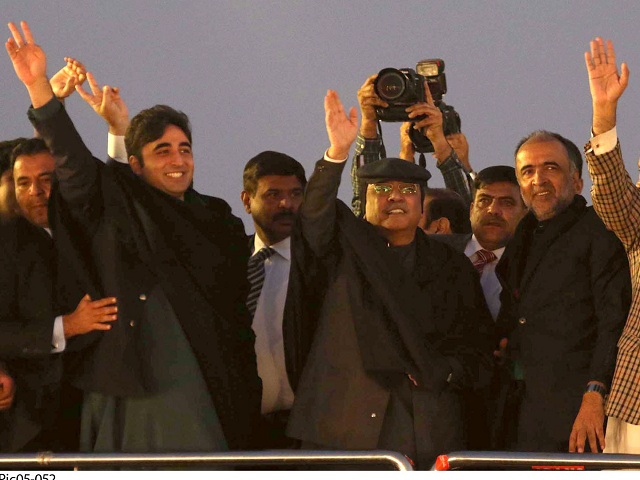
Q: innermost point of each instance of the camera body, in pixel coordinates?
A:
(404, 87)
(400, 88)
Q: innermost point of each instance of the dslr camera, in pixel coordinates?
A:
(404, 87)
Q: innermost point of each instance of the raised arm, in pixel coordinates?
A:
(615, 196)
(460, 145)
(368, 142)
(30, 64)
(76, 170)
(318, 210)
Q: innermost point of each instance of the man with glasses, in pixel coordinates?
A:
(386, 327)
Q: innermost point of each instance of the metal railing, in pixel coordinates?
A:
(282, 459)
(535, 461)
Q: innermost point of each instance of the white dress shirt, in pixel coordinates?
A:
(267, 325)
(488, 280)
(58, 342)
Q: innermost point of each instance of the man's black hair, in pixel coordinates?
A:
(270, 163)
(149, 125)
(6, 147)
(495, 174)
(29, 146)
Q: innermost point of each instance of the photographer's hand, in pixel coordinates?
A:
(431, 124)
(342, 129)
(407, 150)
(605, 84)
(369, 100)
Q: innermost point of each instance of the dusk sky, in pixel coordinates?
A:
(252, 75)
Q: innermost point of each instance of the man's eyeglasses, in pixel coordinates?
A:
(403, 188)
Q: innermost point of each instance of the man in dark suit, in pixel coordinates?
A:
(566, 294)
(27, 313)
(32, 333)
(389, 326)
(273, 185)
(176, 261)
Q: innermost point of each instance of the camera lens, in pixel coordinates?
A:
(390, 84)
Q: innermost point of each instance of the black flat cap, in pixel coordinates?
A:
(393, 169)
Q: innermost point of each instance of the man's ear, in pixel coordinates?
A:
(246, 201)
(134, 163)
(443, 225)
(578, 183)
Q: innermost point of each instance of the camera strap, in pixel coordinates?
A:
(422, 161)
(383, 150)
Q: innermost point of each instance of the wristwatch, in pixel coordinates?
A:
(594, 387)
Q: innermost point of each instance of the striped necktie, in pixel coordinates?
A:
(255, 274)
(483, 257)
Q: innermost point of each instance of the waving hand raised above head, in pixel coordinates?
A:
(30, 63)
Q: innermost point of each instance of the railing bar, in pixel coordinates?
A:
(292, 457)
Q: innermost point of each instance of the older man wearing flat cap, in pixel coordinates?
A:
(384, 327)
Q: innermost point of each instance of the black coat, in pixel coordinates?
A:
(124, 238)
(361, 334)
(563, 309)
(27, 314)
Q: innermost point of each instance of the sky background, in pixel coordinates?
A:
(252, 75)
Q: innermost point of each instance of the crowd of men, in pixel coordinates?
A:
(137, 316)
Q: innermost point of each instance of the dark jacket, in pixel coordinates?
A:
(564, 304)
(377, 356)
(124, 238)
(27, 314)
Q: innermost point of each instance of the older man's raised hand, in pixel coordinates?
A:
(605, 83)
(341, 128)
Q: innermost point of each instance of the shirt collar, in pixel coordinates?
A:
(473, 246)
(283, 247)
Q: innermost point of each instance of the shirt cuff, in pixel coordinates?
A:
(328, 159)
(116, 148)
(605, 142)
(58, 343)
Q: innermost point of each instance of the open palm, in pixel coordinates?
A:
(29, 60)
(341, 128)
(605, 83)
